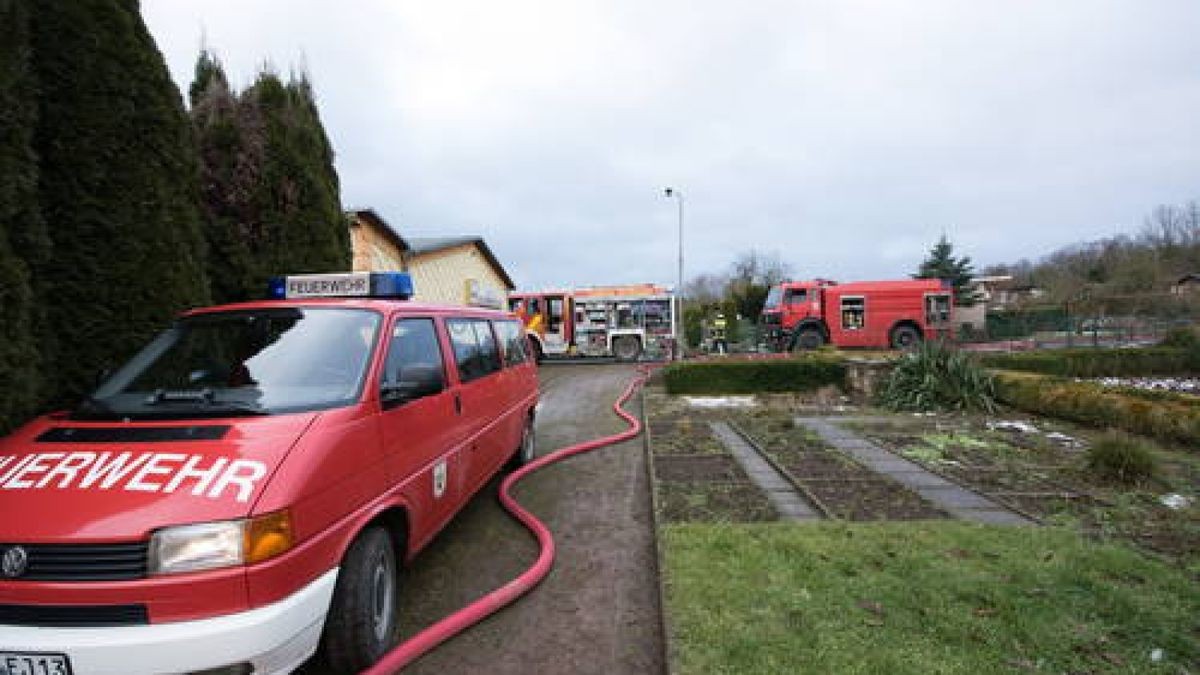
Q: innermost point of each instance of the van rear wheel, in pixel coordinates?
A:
(361, 626)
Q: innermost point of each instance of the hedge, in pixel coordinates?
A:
(1099, 362)
(1168, 418)
(750, 377)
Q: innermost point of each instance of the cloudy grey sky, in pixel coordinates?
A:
(847, 135)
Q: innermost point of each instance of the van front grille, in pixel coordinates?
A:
(79, 562)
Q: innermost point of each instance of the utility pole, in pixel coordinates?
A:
(679, 339)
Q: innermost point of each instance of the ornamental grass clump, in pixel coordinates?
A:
(1121, 458)
(936, 376)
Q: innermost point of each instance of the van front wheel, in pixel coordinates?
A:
(361, 626)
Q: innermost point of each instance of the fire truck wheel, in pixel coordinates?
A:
(808, 338)
(905, 337)
(627, 348)
(361, 625)
(527, 450)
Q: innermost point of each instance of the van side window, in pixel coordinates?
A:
(415, 357)
(512, 337)
(475, 349)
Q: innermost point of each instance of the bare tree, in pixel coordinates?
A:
(706, 289)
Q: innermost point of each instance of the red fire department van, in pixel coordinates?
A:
(244, 489)
(879, 314)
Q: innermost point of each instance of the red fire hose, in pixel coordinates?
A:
(407, 652)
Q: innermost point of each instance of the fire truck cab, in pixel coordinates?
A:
(876, 314)
(245, 489)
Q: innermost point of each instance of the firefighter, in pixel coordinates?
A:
(720, 345)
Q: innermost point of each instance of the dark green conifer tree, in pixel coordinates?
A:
(272, 203)
(942, 264)
(22, 233)
(230, 171)
(118, 187)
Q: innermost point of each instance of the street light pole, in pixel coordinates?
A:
(679, 340)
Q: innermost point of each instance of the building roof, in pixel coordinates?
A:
(423, 245)
(377, 221)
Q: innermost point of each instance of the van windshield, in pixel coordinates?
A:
(253, 362)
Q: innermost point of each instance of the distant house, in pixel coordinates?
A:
(459, 270)
(1187, 284)
(1003, 291)
(377, 247)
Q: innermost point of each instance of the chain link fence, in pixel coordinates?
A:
(1084, 321)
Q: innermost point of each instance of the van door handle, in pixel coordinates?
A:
(457, 404)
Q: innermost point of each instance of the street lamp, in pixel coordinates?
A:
(678, 196)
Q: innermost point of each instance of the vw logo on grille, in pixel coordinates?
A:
(14, 562)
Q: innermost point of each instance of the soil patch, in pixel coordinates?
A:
(698, 469)
(700, 502)
(684, 438)
(879, 499)
(806, 466)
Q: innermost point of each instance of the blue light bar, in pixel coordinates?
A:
(344, 285)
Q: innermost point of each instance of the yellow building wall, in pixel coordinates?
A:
(374, 252)
(441, 276)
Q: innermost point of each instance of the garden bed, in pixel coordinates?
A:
(1040, 467)
(696, 479)
(842, 487)
(708, 502)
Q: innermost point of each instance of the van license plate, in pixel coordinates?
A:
(14, 663)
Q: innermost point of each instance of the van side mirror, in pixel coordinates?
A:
(415, 381)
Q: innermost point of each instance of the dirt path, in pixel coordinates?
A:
(598, 610)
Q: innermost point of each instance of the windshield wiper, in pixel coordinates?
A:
(204, 395)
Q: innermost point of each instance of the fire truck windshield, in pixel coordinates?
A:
(243, 362)
(774, 298)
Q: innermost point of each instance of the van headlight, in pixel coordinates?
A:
(206, 546)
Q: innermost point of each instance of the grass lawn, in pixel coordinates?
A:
(922, 598)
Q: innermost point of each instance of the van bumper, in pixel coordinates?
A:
(275, 638)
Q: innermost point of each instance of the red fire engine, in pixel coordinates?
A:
(620, 321)
(898, 314)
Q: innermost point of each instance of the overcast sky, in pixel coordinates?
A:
(844, 135)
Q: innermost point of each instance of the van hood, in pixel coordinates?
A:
(63, 480)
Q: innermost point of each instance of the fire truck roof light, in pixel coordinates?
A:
(342, 285)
